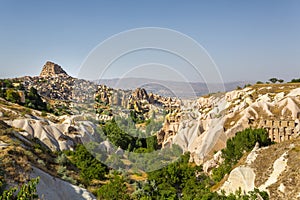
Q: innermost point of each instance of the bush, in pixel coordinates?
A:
(62, 159)
(90, 167)
(34, 100)
(273, 80)
(295, 80)
(26, 192)
(62, 170)
(115, 189)
(12, 96)
(44, 113)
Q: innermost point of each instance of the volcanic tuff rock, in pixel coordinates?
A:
(274, 169)
(203, 126)
(52, 69)
(20, 162)
(50, 187)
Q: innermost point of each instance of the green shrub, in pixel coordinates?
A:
(62, 159)
(115, 189)
(296, 80)
(26, 192)
(34, 100)
(44, 113)
(236, 146)
(90, 167)
(12, 96)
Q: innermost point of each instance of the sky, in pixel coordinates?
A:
(247, 40)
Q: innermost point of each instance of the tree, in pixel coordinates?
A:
(280, 80)
(273, 80)
(152, 143)
(114, 190)
(242, 141)
(295, 80)
(117, 136)
(34, 100)
(8, 83)
(90, 167)
(12, 96)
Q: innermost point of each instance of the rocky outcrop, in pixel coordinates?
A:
(241, 177)
(272, 169)
(52, 69)
(140, 94)
(50, 187)
(203, 126)
(56, 136)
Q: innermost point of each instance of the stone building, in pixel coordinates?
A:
(278, 130)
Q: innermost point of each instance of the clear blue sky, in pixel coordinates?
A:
(248, 40)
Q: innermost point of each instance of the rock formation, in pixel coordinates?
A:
(272, 169)
(52, 69)
(203, 126)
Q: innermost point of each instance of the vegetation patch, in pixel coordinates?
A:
(242, 142)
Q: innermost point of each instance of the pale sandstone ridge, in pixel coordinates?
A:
(52, 69)
(203, 126)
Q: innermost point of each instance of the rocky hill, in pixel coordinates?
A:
(273, 169)
(51, 69)
(166, 88)
(23, 158)
(200, 126)
(203, 126)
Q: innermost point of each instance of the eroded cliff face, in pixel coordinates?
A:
(273, 169)
(20, 162)
(203, 126)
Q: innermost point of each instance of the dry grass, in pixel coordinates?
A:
(290, 178)
(14, 164)
(272, 89)
(228, 121)
(18, 157)
(263, 165)
(137, 177)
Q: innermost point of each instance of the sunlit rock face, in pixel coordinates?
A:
(52, 69)
(203, 126)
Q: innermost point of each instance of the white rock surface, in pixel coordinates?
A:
(278, 167)
(252, 155)
(205, 133)
(50, 188)
(53, 135)
(294, 92)
(3, 145)
(281, 188)
(241, 177)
